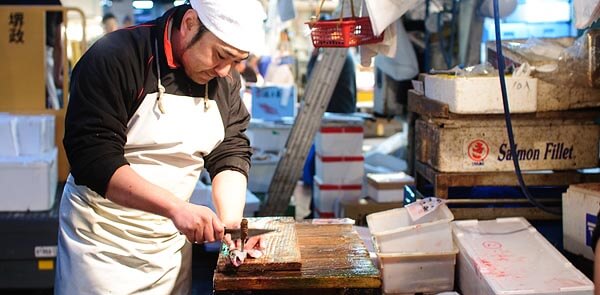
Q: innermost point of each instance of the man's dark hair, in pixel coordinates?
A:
(107, 16)
(178, 18)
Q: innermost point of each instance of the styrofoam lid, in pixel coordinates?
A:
(259, 123)
(513, 257)
(341, 119)
(399, 177)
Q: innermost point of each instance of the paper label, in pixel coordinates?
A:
(422, 207)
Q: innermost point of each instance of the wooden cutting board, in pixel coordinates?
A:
(282, 251)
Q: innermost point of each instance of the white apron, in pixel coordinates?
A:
(105, 248)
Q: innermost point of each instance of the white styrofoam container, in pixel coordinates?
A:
(28, 183)
(327, 197)
(35, 134)
(340, 169)
(581, 203)
(482, 95)
(388, 187)
(9, 146)
(509, 256)
(261, 172)
(202, 195)
(395, 232)
(408, 273)
(268, 136)
(339, 140)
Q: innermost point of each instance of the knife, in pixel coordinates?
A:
(236, 233)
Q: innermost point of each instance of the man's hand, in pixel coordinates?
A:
(198, 223)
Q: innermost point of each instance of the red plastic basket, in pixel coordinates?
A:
(347, 32)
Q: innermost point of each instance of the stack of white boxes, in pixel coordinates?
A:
(28, 162)
(339, 165)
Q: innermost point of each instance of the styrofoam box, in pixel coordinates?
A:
(202, 195)
(274, 102)
(395, 231)
(35, 134)
(408, 273)
(509, 256)
(388, 187)
(261, 172)
(339, 140)
(482, 95)
(581, 203)
(9, 146)
(268, 136)
(28, 183)
(341, 169)
(328, 196)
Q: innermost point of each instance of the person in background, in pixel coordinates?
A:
(343, 99)
(151, 106)
(127, 21)
(109, 23)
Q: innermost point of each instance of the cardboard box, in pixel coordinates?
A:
(327, 197)
(581, 203)
(341, 169)
(509, 256)
(28, 182)
(388, 187)
(482, 145)
(482, 95)
(272, 103)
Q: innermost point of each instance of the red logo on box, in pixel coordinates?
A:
(478, 150)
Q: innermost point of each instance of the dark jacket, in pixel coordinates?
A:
(109, 83)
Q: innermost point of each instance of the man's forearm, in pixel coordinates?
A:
(229, 196)
(129, 189)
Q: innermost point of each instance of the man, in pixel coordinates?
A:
(149, 107)
(109, 23)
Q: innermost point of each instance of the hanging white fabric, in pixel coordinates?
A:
(586, 12)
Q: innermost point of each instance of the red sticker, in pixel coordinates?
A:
(478, 150)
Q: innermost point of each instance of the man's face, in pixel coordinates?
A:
(110, 25)
(209, 57)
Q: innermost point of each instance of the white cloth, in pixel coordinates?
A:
(402, 64)
(586, 12)
(386, 47)
(105, 248)
(238, 23)
(52, 95)
(385, 12)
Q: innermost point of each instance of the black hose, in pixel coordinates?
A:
(509, 129)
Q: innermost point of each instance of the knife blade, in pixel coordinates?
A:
(236, 233)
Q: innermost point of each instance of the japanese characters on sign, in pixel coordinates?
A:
(15, 27)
